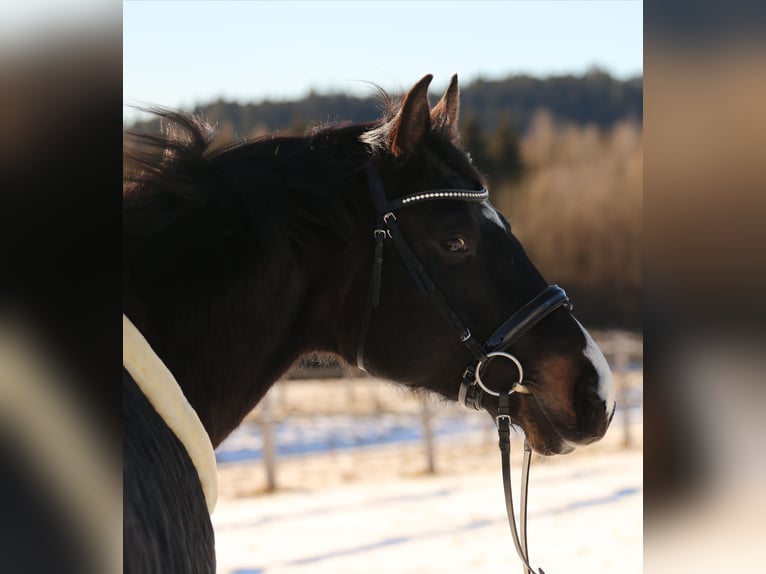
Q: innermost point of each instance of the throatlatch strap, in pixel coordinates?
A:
(377, 271)
(373, 300)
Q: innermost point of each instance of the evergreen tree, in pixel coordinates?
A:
(474, 142)
(504, 152)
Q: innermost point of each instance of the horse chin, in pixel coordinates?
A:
(543, 437)
(547, 444)
(541, 434)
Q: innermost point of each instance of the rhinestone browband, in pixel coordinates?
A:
(479, 195)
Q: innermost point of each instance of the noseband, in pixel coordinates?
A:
(473, 391)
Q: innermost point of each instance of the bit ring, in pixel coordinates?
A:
(516, 387)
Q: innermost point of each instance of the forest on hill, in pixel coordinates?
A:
(563, 156)
(594, 98)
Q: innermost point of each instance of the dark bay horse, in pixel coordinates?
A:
(239, 260)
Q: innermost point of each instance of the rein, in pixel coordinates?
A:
(473, 390)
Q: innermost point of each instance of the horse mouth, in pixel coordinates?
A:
(548, 443)
(541, 434)
(562, 447)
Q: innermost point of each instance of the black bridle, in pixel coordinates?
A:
(472, 390)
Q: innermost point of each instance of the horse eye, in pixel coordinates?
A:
(454, 245)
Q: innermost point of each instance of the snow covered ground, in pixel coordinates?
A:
(373, 508)
(585, 516)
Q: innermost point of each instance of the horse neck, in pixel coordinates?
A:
(227, 352)
(226, 347)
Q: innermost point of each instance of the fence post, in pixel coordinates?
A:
(428, 436)
(269, 448)
(621, 359)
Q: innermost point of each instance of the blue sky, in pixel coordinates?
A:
(179, 54)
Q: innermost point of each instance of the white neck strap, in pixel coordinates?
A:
(161, 389)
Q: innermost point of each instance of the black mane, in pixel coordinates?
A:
(171, 174)
(253, 190)
(194, 216)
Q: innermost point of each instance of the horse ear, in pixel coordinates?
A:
(413, 121)
(445, 114)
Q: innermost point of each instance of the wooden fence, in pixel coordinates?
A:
(624, 352)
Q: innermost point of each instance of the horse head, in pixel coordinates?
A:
(482, 275)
